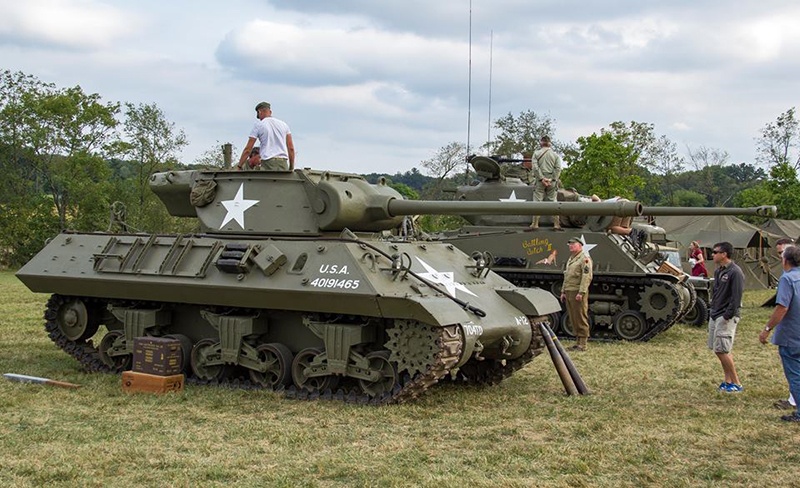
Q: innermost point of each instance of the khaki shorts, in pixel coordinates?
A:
(275, 164)
(621, 222)
(721, 333)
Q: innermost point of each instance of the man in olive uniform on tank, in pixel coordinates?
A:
(522, 171)
(546, 173)
(575, 291)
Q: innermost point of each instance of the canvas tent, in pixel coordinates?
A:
(752, 246)
(782, 228)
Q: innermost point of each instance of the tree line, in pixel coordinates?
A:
(66, 156)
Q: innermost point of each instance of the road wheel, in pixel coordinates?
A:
(629, 325)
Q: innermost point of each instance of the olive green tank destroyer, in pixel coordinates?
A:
(306, 282)
(635, 294)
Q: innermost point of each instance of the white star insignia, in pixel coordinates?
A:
(236, 208)
(587, 247)
(513, 198)
(443, 278)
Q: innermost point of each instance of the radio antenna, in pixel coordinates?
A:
(489, 129)
(469, 92)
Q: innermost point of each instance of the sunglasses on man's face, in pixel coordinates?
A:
(716, 252)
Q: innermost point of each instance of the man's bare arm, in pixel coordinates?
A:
(290, 149)
(246, 152)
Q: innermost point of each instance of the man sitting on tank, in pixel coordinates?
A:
(254, 160)
(619, 225)
(622, 225)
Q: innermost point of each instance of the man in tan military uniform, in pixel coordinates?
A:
(575, 291)
(546, 173)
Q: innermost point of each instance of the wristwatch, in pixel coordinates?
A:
(767, 329)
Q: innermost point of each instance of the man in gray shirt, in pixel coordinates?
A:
(726, 299)
(786, 322)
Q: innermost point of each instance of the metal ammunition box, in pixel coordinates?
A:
(133, 381)
(157, 356)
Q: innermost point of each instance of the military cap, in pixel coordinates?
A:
(262, 105)
(575, 239)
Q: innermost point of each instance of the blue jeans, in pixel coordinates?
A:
(790, 356)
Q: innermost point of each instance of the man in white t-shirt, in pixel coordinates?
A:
(277, 148)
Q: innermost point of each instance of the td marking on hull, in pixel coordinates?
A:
(471, 329)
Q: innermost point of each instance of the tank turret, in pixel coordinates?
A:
(309, 202)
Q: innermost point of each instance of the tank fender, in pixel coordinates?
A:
(530, 301)
(437, 311)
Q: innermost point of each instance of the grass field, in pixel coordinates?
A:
(655, 419)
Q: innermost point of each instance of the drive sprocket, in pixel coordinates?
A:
(659, 301)
(413, 346)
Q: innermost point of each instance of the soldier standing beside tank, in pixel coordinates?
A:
(575, 291)
(546, 172)
(277, 147)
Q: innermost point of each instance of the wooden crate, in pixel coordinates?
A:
(669, 268)
(157, 355)
(133, 381)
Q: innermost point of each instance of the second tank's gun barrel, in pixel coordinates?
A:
(398, 207)
(762, 211)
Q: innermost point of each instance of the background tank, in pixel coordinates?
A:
(636, 293)
(300, 280)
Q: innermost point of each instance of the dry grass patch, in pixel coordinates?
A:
(655, 419)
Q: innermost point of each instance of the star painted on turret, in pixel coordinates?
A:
(513, 198)
(444, 278)
(236, 208)
(587, 247)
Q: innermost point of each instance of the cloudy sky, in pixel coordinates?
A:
(379, 86)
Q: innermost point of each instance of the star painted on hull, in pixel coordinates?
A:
(236, 208)
(444, 278)
(587, 247)
(513, 198)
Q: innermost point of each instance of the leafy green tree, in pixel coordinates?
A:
(602, 164)
(779, 141)
(687, 198)
(67, 133)
(521, 134)
(152, 143)
(213, 157)
(405, 190)
(445, 163)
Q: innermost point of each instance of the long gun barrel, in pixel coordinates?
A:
(763, 211)
(398, 207)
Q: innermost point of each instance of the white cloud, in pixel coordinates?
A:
(681, 126)
(764, 39)
(73, 24)
(336, 54)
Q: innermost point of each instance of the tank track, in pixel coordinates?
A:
(546, 281)
(491, 372)
(84, 352)
(449, 341)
